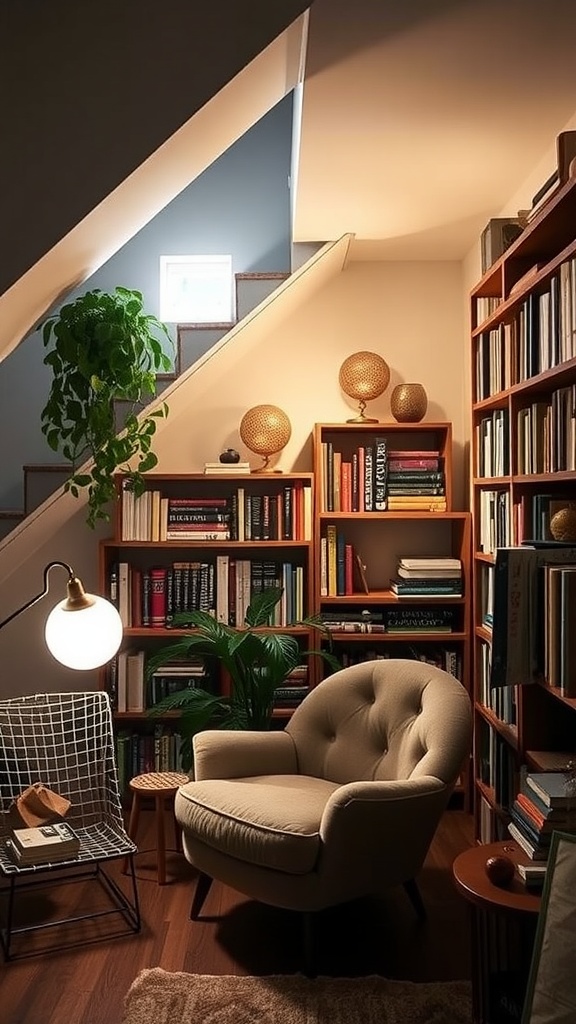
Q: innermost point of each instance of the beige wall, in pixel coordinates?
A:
(409, 312)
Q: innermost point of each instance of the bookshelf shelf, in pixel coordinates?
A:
(523, 396)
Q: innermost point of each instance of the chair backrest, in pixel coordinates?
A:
(383, 720)
(65, 741)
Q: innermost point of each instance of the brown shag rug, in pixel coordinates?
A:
(162, 997)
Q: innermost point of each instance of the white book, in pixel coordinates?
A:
(121, 681)
(430, 563)
(124, 594)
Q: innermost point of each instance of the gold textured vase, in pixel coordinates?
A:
(408, 403)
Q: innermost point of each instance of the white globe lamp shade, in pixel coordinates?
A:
(84, 638)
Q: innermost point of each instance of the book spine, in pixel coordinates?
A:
(332, 561)
(380, 474)
(369, 478)
(157, 597)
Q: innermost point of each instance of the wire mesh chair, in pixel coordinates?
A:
(66, 742)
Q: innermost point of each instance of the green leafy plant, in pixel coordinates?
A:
(103, 349)
(257, 660)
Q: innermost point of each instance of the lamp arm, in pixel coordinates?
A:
(34, 600)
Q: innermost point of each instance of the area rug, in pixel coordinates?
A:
(162, 997)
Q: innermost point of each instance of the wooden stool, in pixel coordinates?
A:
(162, 786)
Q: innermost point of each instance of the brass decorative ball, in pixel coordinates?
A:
(265, 430)
(364, 376)
(563, 524)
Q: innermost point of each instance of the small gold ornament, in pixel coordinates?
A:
(364, 376)
(265, 430)
(408, 403)
(563, 524)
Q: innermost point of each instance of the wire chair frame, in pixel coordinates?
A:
(66, 742)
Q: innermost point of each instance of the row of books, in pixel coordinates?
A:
(283, 513)
(448, 659)
(533, 615)
(138, 753)
(546, 434)
(494, 520)
(390, 620)
(491, 436)
(541, 336)
(131, 691)
(375, 478)
(151, 598)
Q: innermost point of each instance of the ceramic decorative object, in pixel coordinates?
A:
(265, 430)
(563, 524)
(408, 403)
(364, 376)
(229, 456)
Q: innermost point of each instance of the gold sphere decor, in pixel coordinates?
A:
(265, 430)
(364, 376)
(563, 524)
(408, 403)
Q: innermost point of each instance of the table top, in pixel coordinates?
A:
(469, 871)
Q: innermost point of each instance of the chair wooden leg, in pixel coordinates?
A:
(308, 934)
(202, 888)
(160, 840)
(415, 898)
(132, 827)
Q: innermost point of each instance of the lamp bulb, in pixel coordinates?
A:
(84, 638)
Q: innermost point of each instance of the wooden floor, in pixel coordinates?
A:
(86, 984)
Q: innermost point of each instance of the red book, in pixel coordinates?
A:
(158, 597)
(346, 487)
(416, 463)
(413, 454)
(361, 479)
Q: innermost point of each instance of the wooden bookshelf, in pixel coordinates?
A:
(380, 537)
(261, 529)
(523, 316)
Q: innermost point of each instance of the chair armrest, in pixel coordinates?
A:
(384, 828)
(231, 754)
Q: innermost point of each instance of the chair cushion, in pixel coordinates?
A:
(269, 820)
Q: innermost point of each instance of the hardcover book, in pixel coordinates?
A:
(43, 844)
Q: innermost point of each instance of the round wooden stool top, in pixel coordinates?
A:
(157, 783)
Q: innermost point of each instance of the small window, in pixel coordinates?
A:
(196, 289)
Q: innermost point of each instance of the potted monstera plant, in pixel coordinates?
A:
(104, 352)
(257, 660)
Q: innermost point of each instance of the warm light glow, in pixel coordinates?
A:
(84, 638)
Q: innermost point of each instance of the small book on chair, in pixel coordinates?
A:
(44, 844)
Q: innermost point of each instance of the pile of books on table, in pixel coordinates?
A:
(428, 577)
(45, 844)
(543, 804)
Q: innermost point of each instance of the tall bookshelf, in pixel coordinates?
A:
(523, 316)
(260, 533)
(367, 618)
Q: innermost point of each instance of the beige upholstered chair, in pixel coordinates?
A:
(341, 803)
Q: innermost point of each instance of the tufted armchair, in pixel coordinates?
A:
(342, 803)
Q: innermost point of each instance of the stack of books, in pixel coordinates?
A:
(428, 577)
(415, 481)
(45, 844)
(544, 803)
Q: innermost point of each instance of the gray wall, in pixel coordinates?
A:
(239, 205)
(90, 88)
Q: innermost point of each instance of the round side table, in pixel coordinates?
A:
(162, 786)
(503, 926)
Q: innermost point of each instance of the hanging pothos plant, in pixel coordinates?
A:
(103, 350)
